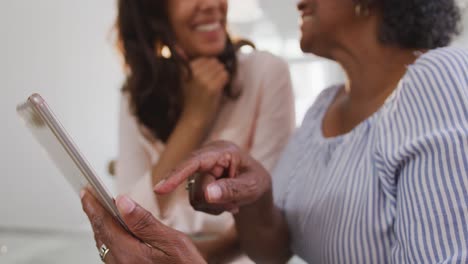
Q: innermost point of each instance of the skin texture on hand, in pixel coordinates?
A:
(228, 178)
(156, 243)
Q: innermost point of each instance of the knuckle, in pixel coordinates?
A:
(226, 190)
(97, 222)
(144, 223)
(252, 187)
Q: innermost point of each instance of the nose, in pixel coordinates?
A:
(301, 5)
(210, 4)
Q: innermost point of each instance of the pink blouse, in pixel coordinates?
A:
(260, 121)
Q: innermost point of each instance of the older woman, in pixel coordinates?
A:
(378, 172)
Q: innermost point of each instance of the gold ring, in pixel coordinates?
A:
(103, 251)
(190, 182)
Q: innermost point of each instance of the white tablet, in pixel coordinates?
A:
(49, 132)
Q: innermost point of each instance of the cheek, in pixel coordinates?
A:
(180, 13)
(182, 33)
(224, 6)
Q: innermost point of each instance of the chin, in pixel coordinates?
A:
(306, 45)
(314, 46)
(212, 50)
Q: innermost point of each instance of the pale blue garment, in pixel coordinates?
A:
(395, 188)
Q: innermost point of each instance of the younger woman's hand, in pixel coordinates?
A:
(204, 90)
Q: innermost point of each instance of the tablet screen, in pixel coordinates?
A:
(52, 147)
(58, 145)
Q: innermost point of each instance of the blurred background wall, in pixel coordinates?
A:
(64, 50)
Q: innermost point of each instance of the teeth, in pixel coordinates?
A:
(208, 27)
(307, 18)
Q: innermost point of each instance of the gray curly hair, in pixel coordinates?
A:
(417, 24)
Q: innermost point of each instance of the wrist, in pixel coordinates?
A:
(262, 210)
(194, 120)
(219, 249)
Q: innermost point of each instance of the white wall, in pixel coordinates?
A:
(61, 49)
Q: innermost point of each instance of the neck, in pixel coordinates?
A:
(373, 71)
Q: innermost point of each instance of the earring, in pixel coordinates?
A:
(162, 50)
(360, 10)
(166, 52)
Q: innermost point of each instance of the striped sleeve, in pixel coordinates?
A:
(424, 161)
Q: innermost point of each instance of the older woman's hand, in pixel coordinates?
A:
(225, 178)
(158, 243)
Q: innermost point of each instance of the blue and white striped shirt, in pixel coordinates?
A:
(395, 188)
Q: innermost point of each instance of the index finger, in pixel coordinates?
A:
(203, 162)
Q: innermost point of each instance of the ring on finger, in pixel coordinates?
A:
(103, 251)
(191, 181)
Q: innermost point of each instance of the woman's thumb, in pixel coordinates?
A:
(141, 222)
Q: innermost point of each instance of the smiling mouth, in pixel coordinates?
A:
(307, 18)
(208, 27)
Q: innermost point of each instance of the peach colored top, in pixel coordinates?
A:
(259, 121)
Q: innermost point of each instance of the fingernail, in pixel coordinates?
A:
(82, 193)
(214, 192)
(159, 184)
(125, 204)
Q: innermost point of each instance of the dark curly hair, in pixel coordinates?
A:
(417, 24)
(154, 82)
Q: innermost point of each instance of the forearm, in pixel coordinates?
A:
(221, 249)
(263, 232)
(186, 137)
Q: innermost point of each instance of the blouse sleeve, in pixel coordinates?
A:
(424, 162)
(276, 118)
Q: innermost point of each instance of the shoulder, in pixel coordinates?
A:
(434, 92)
(124, 103)
(259, 71)
(430, 103)
(124, 97)
(447, 59)
(427, 112)
(262, 61)
(441, 71)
